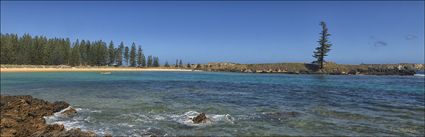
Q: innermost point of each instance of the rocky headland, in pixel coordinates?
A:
(307, 68)
(23, 116)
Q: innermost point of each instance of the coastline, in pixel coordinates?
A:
(308, 68)
(23, 115)
(88, 69)
(282, 68)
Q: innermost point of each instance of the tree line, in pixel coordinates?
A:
(40, 50)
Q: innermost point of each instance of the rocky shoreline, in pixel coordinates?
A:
(306, 68)
(24, 116)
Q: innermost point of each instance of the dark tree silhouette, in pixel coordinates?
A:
(324, 46)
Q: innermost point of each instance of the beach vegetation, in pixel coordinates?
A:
(119, 54)
(133, 55)
(40, 50)
(166, 64)
(111, 51)
(150, 63)
(126, 55)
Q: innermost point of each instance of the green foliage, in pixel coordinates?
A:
(7, 50)
(34, 50)
(75, 55)
(111, 51)
(83, 52)
(324, 46)
(39, 50)
(119, 53)
(133, 55)
(126, 55)
(143, 60)
(180, 63)
(150, 61)
(166, 64)
(198, 66)
(155, 62)
(140, 57)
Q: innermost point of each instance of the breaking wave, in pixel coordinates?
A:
(78, 121)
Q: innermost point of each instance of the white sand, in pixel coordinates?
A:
(86, 69)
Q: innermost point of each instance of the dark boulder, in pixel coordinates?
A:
(59, 105)
(201, 118)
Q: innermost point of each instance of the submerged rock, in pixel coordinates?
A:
(23, 116)
(201, 118)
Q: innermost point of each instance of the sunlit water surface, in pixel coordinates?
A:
(161, 103)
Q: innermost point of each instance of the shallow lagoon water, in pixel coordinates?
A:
(161, 103)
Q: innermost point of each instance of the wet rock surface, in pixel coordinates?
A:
(23, 116)
(201, 118)
(69, 112)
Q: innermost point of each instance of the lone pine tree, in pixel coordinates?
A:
(324, 46)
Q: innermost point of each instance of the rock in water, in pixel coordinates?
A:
(59, 105)
(69, 112)
(201, 118)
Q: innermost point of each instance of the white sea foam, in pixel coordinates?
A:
(126, 125)
(73, 122)
(186, 118)
(158, 117)
(419, 75)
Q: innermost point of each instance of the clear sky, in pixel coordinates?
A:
(242, 32)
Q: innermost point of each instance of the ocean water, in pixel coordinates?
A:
(161, 103)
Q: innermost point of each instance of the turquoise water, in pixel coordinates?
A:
(161, 103)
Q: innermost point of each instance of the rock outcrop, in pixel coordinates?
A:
(308, 68)
(23, 116)
(201, 118)
(69, 112)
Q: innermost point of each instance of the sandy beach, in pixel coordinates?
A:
(86, 69)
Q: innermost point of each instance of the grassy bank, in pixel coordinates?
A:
(306, 68)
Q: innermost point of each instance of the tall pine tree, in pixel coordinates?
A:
(111, 51)
(180, 63)
(75, 59)
(126, 55)
(324, 46)
(155, 62)
(166, 64)
(150, 61)
(139, 56)
(133, 55)
(119, 54)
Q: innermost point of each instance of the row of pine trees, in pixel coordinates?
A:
(39, 50)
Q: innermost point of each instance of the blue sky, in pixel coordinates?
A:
(242, 32)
